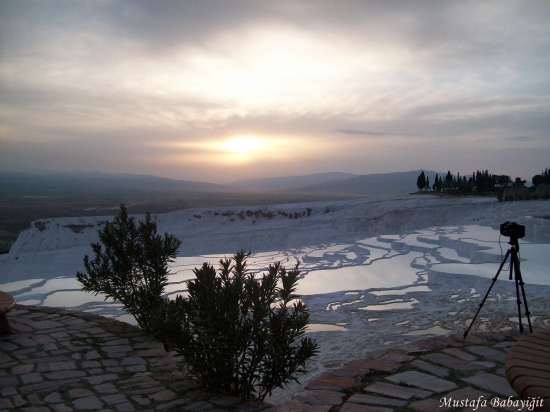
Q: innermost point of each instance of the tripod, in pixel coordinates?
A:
(514, 270)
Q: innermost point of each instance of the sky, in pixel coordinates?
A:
(224, 90)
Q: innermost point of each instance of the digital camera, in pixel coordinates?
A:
(512, 229)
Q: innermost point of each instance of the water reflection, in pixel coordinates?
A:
(373, 267)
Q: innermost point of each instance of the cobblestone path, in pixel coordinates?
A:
(60, 360)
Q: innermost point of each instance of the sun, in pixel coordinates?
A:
(243, 145)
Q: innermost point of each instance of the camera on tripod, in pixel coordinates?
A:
(514, 232)
(512, 229)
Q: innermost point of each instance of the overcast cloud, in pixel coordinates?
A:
(161, 87)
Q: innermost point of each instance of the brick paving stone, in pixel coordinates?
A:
(90, 364)
(504, 345)
(436, 370)
(451, 362)
(422, 380)
(89, 403)
(428, 405)
(493, 383)
(18, 400)
(46, 386)
(375, 365)
(59, 335)
(471, 338)
(391, 356)
(352, 407)
(375, 400)
(80, 393)
(109, 362)
(501, 372)
(487, 352)
(24, 341)
(34, 399)
(61, 408)
(133, 360)
(141, 400)
(118, 348)
(396, 391)
(410, 348)
(136, 368)
(45, 324)
(22, 369)
(6, 403)
(320, 397)
(92, 355)
(114, 342)
(114, 399)
(457, 353)
(64, 374)
(8, 346)
(177, 402)
(351, 371)
(164, 395)
(31, 378)
(105, 388)
(43, 339)
(431, 343)
(54, 397)
(46, 359)
(333, 383)
(96, 380)
(50, 347)
(56, 366)
(8, 381)
(115, 369)
(151, 352)
(21, 328)
(198, 406)
(125, 407)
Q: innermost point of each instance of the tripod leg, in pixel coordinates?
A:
(487, 294)
(518, 299)
(519, 280)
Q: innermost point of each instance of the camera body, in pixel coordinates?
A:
(512, 230)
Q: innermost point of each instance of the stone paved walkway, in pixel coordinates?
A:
(60, 360)
(438, 374)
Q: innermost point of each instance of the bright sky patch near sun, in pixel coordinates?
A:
(219, 91)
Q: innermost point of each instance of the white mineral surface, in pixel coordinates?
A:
(374, 272)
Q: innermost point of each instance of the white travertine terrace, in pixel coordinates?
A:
(375, 272)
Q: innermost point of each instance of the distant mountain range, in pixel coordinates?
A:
(397, 183)
(96, 181)
(322, 184)
(290, 182)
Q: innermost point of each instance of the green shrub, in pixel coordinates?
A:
(132, 265)
(238, 333)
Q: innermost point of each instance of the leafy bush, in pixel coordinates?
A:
(132, 267)
(237, 333)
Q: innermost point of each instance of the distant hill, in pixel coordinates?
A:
(386, 184)
(289, 182)
(14, 182)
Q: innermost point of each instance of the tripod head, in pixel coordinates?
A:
(514, 242)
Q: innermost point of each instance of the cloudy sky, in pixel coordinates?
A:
(223, 90)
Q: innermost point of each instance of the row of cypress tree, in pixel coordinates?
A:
(480, 182)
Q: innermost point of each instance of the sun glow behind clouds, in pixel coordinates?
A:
(243, 145)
